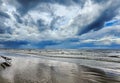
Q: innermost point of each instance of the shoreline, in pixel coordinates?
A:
(35, 69)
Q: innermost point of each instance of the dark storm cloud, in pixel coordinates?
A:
(3, 14)
(27, 5)
(4, 29)
(1, 2)
(13, 44)
(9, 30)
(52, 25)
(18, 18)
(41, 25)
(100, 1)
(3, 17)
(34, 2)
(105, 16)
(43, 44)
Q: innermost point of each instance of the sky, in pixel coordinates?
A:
(60, 24)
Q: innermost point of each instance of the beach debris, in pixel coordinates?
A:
(114, 56)
(5, 62)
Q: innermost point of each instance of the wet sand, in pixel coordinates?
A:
(29, 69)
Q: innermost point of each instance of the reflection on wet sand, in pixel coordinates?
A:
(36, 70)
